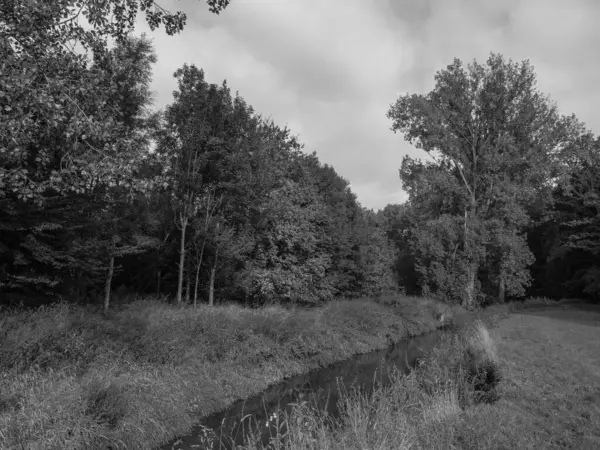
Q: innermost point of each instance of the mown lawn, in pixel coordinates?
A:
(550, 397)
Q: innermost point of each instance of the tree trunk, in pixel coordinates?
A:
(502, 288)
(158, 277)
(469, 298)
(211, 291)
(199, 264)
(188, 275)
(108, 283)
(181, 262)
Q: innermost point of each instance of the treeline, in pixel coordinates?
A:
(208, 201)
(508, 202)
(204, 201)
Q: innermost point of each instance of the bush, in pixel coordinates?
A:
(469, 362)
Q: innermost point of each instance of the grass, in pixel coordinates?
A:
(71, 378)
(420, 411)
(552, 395)
(530, 382)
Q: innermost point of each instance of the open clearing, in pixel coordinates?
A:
(551, 394)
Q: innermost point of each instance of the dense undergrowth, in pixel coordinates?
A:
(72, 378)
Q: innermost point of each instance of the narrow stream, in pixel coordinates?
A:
(320, 387)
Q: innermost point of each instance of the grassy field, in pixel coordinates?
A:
(548, 397)
(551, 397)
(71, 378)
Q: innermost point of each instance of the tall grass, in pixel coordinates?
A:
(71, 378)
(423, 410)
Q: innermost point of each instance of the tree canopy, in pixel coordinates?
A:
(207, 200)
(495, 145)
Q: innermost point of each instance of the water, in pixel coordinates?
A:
(320, 387)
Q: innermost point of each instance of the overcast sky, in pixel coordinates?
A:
(329, 69)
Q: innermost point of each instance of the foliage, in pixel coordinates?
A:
(253, 217)
(576, 244)
(495, 143)
(59, 229)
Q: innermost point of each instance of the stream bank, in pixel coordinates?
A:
(322, 388)
(149, 371)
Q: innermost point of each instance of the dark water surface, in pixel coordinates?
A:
(319, 386)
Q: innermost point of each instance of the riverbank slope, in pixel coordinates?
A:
(74, 379)
(547, 362)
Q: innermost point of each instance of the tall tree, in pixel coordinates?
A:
(577, 244)
(375, 256)
(193, 145)
(83, 179)
(494, 139)
(55, 106)
(398, 223)
(62, 121)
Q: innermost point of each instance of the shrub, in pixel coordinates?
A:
(467, 362)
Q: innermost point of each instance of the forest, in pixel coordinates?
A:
(102, 195)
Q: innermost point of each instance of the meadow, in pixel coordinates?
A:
(522, 375)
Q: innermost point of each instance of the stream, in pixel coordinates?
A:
(320, 387)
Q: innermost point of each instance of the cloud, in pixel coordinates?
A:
(330, 69)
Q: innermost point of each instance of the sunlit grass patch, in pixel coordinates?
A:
(479, 341)
(438, 418)
(442, 408)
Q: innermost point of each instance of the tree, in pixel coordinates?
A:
(288, 262)
(64, 110)
(54, 104)
(495, 140)
(398, 222)
(202, 228)
(194, 146)
(339, 237)
(122, 228)
(85, 185)
(577, 242)
(375, 256)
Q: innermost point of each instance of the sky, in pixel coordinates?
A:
(330, 69)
